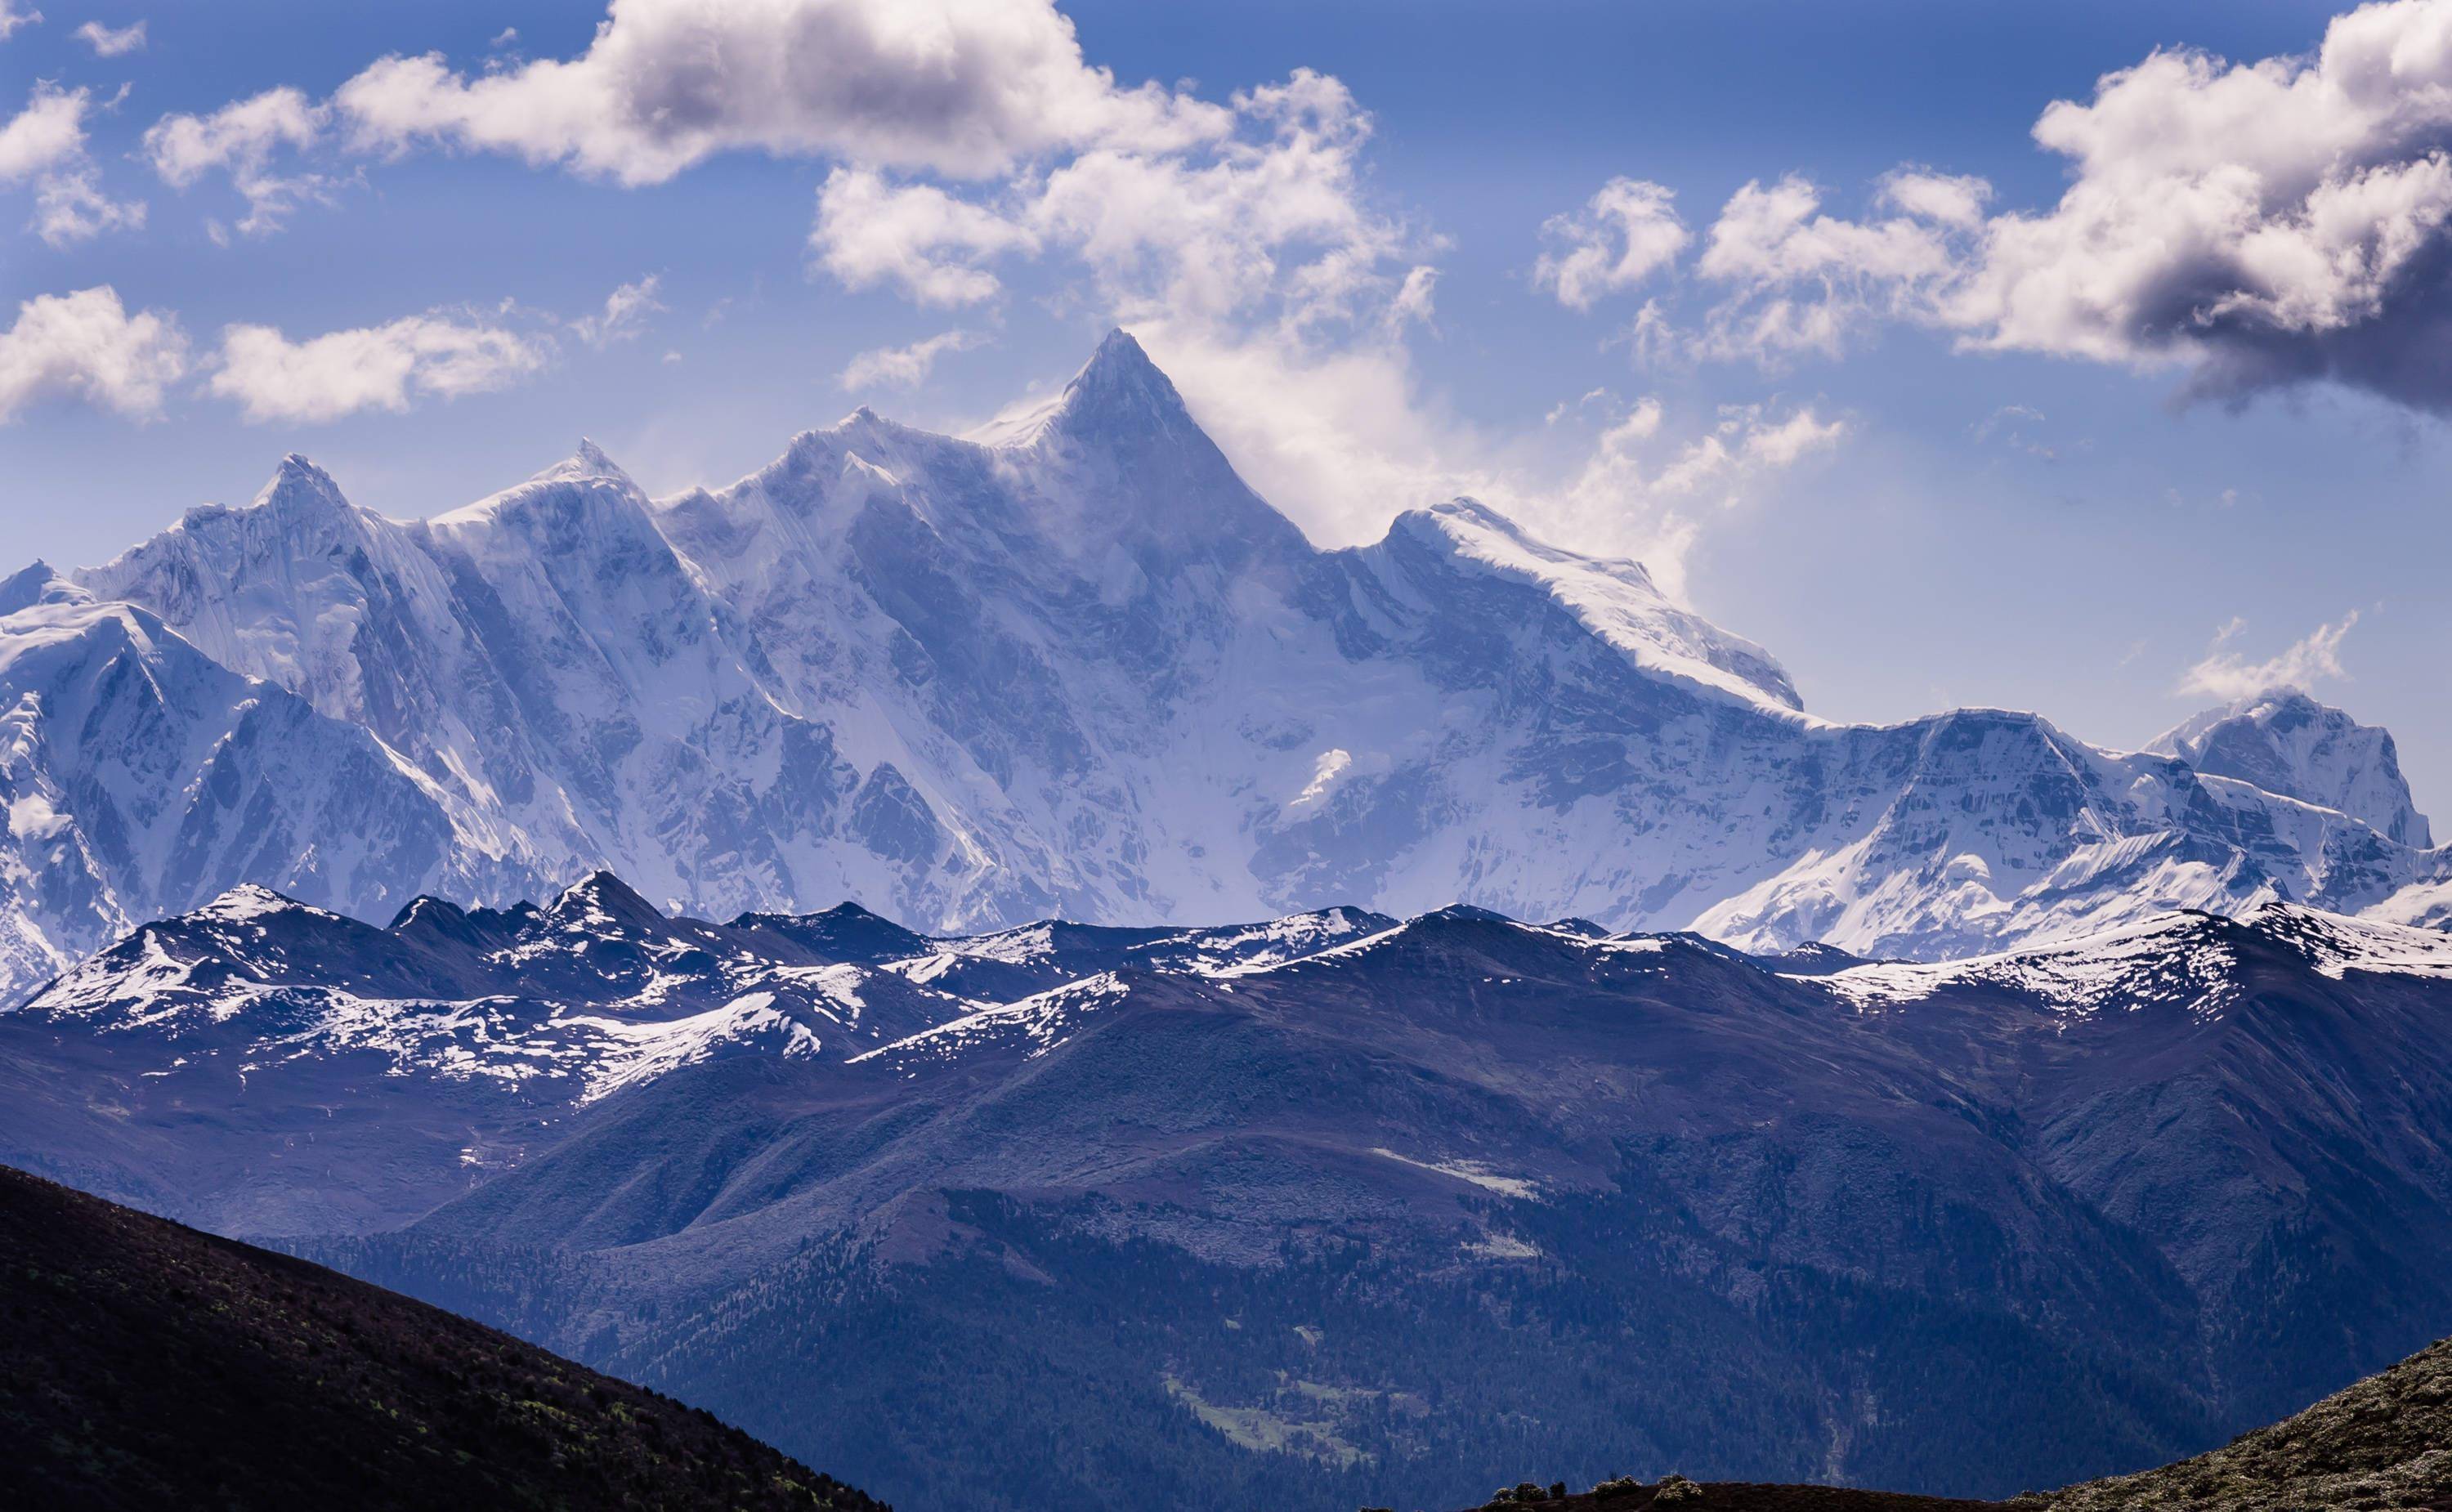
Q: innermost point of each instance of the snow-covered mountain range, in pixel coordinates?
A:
(499, 1025)
(1072, 668)
(1295, 1168)
(564, 1005)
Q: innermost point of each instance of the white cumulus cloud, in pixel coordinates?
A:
(2260, 224)
(2253, 225)
(11, 18)
(443, 354)
(243, 139)
(961, 86)
(86, 346)
(47, 134)
(1622, 235)
(1798, 281)
(73, 208)
(917, 237)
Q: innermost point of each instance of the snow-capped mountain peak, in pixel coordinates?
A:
(1085, 671)
(583, 489)
(303, 496)
(250, 902)
(586, 464)
(1119, 389)
(601, 903)
(1613, 598)
(34, 584)
(2283, 741)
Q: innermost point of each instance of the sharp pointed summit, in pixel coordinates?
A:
(1120, 388)
(589, 461)
(1128, 464)
(299, 499)
(1118, 393)
(601, 900)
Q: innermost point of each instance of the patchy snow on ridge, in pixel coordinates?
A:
(1038, 1020)
(2188, 959)
(637, 1053)
(2173, 957)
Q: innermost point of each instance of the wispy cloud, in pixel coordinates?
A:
(624, 315)
(46, 143)
(2223, 673)
(110, 42)
(903, 366)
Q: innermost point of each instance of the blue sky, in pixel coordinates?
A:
(1956, 487)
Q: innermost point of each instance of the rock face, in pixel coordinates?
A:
(1333, 1207)
(1080, 668)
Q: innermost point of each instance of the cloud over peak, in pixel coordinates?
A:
(966, 88)
(2223, 673)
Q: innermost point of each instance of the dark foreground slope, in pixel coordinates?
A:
(2384, 1443)
(145, 1364)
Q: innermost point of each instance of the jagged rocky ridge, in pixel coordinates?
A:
(1076, 667)
(1335, 1207)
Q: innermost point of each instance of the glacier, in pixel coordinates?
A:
(1072, 666)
